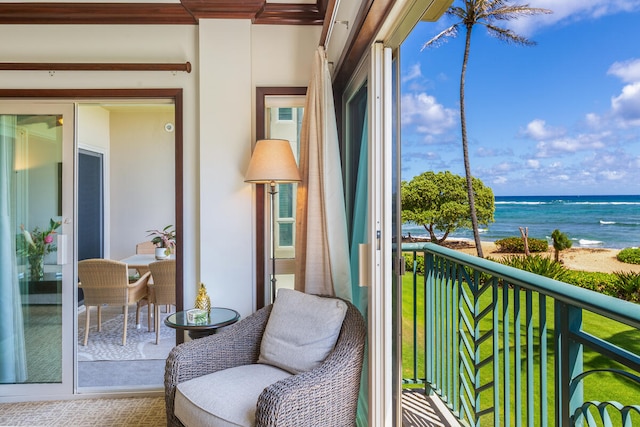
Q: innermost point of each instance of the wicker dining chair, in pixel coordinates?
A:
(146, 248)
(106, 282)
(163, 289)
(323, 396)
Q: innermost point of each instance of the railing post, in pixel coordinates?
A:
(429, 275)
(568, 361)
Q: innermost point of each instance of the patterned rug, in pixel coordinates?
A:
(139, 411)
(107, 344)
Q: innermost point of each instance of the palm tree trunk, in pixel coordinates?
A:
(465, 148)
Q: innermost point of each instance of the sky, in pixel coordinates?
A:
(558, 118)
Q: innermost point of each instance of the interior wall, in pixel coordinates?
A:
(141, 176)
(249, 56)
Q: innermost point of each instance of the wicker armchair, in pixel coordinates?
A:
(107, 282)
(163, 289)
(325, 396)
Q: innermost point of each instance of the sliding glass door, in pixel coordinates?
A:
(36, 249)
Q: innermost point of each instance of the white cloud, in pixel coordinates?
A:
(533, 164)
(626, 106)
(568, 145)
(628, 71)
(538, 130)
(568, 11)
(427, 114)
(499, 180)
(612, 175)
(413, 73)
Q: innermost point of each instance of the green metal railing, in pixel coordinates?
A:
(503, 347)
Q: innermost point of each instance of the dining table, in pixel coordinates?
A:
(141, 262)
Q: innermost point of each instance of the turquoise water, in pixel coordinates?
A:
(589, 221)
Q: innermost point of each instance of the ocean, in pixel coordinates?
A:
(589, 221)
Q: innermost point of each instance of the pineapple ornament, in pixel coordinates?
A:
(203, 302)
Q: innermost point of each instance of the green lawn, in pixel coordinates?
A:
(600, 387)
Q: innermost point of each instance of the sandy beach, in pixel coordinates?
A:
(585, 259)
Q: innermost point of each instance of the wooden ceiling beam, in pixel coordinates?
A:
(188, 12)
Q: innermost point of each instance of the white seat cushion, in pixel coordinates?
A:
(225, 398)
(301, 331)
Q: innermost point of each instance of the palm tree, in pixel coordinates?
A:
(483, 12)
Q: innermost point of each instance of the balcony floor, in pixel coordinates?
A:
(420, 410)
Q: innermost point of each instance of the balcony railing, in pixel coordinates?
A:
(503, 347)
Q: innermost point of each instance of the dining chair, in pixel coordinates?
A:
(145, 248)
(106, 282)
(163, 289)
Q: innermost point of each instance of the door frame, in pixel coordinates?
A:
(80, 95)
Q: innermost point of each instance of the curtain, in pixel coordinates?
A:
(322, 247)
(13, 366)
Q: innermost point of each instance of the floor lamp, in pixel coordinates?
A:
(272, 163)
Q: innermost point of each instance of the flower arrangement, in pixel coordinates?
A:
(165, 238)
(36, 244)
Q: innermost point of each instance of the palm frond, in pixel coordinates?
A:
(508, 36)
(508, 13)
(441, 38)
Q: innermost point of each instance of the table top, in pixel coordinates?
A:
(142, 260)
(218, 318)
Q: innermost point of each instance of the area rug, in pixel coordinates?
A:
(107, 344)
(139, 411)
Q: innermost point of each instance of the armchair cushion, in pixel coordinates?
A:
(225, 398)
(301, 331)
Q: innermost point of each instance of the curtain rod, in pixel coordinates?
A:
(97, 66)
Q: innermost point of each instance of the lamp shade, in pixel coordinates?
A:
(272, 161)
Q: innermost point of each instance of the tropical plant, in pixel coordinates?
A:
(487, 13)
(438, 202)
(560, 242)
(165, 238)
(537, 264)
(628, 285)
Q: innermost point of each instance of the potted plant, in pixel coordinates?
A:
(35, 245)
(165, 241)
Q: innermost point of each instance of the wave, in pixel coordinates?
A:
(607, 222)
(585, 242)
(566, 202)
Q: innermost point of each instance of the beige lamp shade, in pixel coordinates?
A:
(272, 161)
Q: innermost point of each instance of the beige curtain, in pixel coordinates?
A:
(322, 249)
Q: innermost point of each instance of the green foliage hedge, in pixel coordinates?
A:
(515, 245)
(629, 255)
(408, 262)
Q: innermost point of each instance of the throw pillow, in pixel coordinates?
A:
(301, 331)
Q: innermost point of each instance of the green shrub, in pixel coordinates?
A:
(604, 283)
(515, 245)
(408, 262)
(628, 285)
(538, 264)
(629, 255)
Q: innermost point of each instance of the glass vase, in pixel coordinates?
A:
(36, 267)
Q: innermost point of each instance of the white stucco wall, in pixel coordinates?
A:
(230, 58)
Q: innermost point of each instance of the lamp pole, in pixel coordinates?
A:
(272, 191)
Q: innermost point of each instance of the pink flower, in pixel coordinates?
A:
(48, 238)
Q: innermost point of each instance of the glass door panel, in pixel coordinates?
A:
(36, 280)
